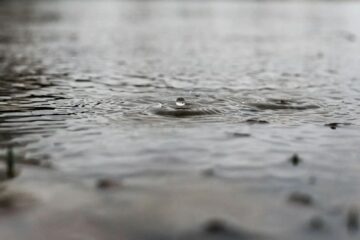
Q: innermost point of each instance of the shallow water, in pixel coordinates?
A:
(92, 86)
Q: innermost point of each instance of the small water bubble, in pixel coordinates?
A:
(180, 102)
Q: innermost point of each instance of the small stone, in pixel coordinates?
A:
(215, 226)
(332, 125)
(301, 199)
(352, 219)
(336, 125)
(295, 160)
(106, 183)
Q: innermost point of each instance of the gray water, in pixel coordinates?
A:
(91, 86)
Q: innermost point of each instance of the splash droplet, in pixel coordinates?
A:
(180, 102)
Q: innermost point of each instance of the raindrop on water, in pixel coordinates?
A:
(180, 102)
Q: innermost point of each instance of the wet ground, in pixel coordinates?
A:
(265, 138)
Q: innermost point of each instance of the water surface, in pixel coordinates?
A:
(92, 86)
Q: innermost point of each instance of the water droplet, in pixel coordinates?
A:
(180, 102)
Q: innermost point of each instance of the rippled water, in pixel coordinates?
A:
(92, 86)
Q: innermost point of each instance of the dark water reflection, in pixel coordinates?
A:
(92, 86)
